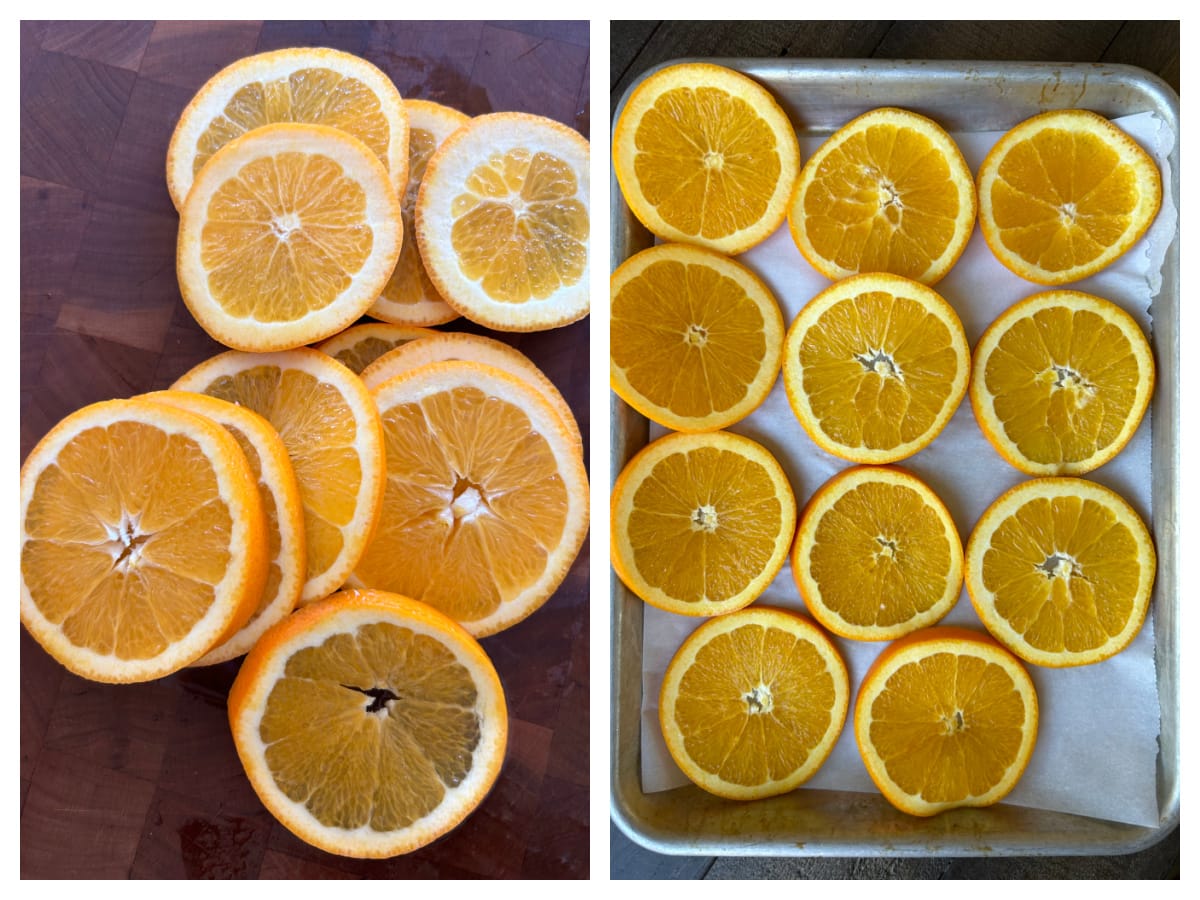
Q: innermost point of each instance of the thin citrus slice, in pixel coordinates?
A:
(877, 554)
(874, 367)
(945, 717)
(887, 192)
(753, 702)
(695, 338)
(369, 724)
(334, 441)
(503, 222)
(1064, 194)
(701, 523)
(287, 236)
(409, 297)
(1060, 571)
(1060, 382)
(705, 155)
(280, 495)
(306, 84)
(143, 540)
(440, 346)
(486, 504)
(360, 345)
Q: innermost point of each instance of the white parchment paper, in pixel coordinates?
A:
(1098, 739)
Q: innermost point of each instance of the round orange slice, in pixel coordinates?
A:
(887, 192)
(1060, 571)
(334, 440)
(280, 495)
(287, 236)
(874, 367)
(503, 222)
(409, 297)
(1060, 382)
(313, 85)
(442, 346)
(360, 345)
(701, 523)
(877, 554)
(945, 717)
(143, 540)
(695, 338)
(486, 503)
(705, 155)
(753, 702)
(1064, 194)
(369, 724)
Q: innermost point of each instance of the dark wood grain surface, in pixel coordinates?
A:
(142, 780)
(638, 45)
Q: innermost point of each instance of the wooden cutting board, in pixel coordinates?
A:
(143, 780)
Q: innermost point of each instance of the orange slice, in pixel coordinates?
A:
(280, 495)
(705, 155)
(753, 702)
(874, 367)
(360, 345)
(287, 236)
(1064, 194)
(486, 505)
(945, 717)
(369, 724)
(304, 84)
(887, 192)
(503, 222)
(701, 523)
(409, 297)
(695, 337)
(1060, 382)
(334, 441)
(1060, 571)
(143, 540)
(877, 555)
(439, 346)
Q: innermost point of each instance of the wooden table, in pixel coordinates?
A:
(142, 780)
(635, 47)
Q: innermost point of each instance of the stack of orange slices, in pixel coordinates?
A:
(189, 526)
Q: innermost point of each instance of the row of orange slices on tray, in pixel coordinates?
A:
(350, 508)
(1059, 569)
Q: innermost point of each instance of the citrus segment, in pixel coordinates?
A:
(280, 495)
(369, 724)
(486, 504)
(502, 219)
(874, 367)
(945, 717)
(1060, 571)
(439, 346)
(753, 702)
(360, 345)
(333, 437)
(887, 192)
(1060, 382)
(701, 523)
(877, 555)
(1064, 194)
(309, 85)
(705, 155)
(143, 540)
(695, 337)
(409, 297)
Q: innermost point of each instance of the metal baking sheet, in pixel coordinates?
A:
(820, 96)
